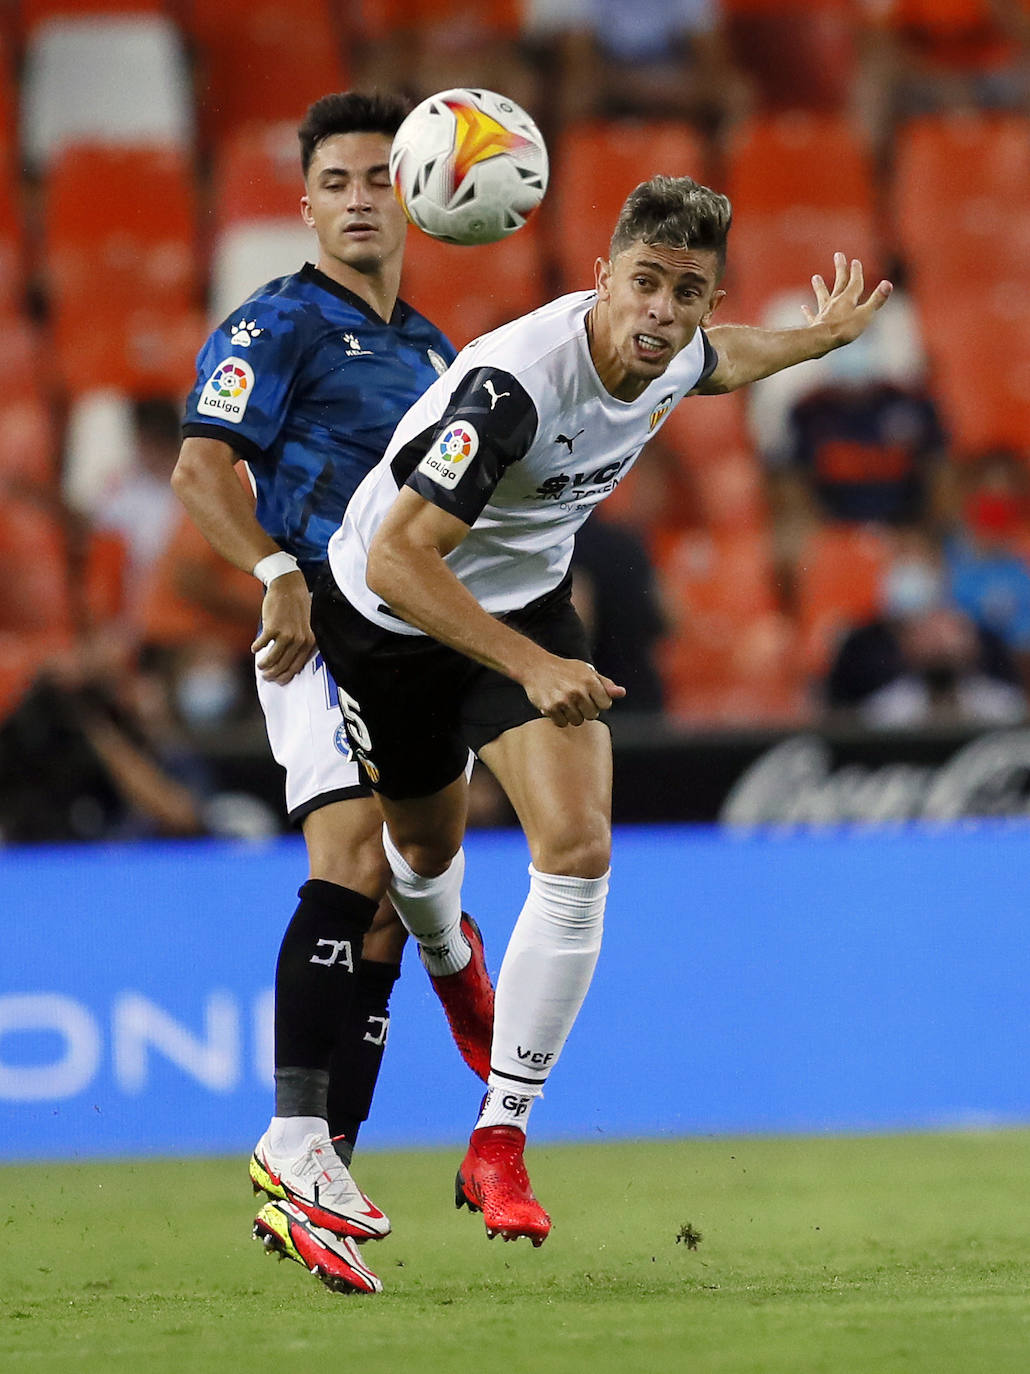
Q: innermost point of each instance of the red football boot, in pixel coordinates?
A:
(468, 1000)
(493, 1180)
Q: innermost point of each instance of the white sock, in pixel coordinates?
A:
(430, 909)
(287, 1134)
(506, 1107)
(544, 978)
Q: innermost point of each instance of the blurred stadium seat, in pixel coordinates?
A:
(33, 13)
(28, 444)
(732, 658)
(123, 271)
(596, 165)
(261, 61)
(802, 187)
(248, 254)
(256, 174)
(961, 199)
(35, 596)
(980, 351)
(467, 291)
(107, 79)
(839, 575)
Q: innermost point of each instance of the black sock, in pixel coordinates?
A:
(316, 981)
(356, 1061)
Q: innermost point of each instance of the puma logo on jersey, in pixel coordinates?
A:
(494, 395)
(564, 439)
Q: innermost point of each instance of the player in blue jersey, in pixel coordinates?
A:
(306, 383)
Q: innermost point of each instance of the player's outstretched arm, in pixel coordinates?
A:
(406, 569)
(747, 354)
(206, 483)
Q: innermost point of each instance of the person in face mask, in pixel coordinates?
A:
(986, 555)
(922, 640)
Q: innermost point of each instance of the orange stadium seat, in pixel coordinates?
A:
(467, 291)
(732, 659)
(121, 225)
(980, 352)
(262, 61)
(170, 618)
(13, 266)
(961, 199)
(377, 19)
(596, 165)
(839, 574)
(124, 278)
(143, 352)
(32, 13)
(28, 445)
(35, 595)
(257, 174)
(802, 187)
(24, 364)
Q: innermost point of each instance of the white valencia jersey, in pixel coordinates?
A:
(520, 440)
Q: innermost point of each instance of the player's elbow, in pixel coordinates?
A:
(384, 569)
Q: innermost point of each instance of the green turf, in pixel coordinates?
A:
(849, 1256)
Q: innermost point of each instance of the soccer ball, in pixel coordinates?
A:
(468, 166)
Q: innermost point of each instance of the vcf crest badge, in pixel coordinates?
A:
(659, 413)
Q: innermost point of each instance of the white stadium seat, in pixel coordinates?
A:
(246, 255)
(122, 81)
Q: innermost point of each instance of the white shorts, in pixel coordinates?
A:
(305, 730)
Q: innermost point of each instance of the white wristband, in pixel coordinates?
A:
(274, 565)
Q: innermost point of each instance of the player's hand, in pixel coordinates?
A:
(569, 691)
(843, 311)
(286, 641)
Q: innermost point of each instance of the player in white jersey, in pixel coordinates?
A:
(448, 624)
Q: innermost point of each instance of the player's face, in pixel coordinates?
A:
(651, 299)
(350, 204)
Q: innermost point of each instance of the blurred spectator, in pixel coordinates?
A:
(799, 54)
(141, 509)
(987, 553)
(856, 437)
(201, 614)
(91, 753)
(924, 56)
(923, 661)
(618, 598)
(658, 58)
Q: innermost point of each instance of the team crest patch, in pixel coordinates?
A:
(227, 391)
(341, 741)
(448, 459)
(659, 413)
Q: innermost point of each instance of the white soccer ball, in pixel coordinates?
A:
(468, 166)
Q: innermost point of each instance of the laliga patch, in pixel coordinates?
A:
(447, 461)
(227, 391)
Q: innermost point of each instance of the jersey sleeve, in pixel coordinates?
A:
(246, 372)
(711, 359)
(489, 423)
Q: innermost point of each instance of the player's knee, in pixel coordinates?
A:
(429, 858)
(580, 849)
(360, 866)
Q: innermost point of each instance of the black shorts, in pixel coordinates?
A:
(414, 707)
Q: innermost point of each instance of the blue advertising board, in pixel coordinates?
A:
(849, 980)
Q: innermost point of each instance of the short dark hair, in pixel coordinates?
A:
(350, 112)
(676, 211)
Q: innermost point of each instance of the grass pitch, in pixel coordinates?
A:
(825, 1256)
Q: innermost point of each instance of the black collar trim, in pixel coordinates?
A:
(312, 274)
